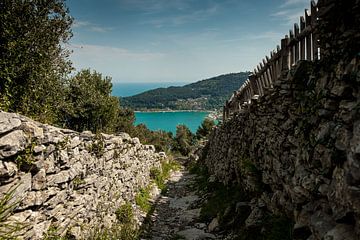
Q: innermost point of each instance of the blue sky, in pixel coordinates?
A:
(177, 40)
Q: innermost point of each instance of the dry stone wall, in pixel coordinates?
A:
(296, 150)
(68, 181)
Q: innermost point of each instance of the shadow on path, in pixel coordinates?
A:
(176, 212)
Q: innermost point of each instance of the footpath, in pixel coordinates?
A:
(177, 212)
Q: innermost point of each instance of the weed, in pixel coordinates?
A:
(77, 182)
(9, 230)
(124, 214)
(142, 199)
(160, 175)
(26, 158)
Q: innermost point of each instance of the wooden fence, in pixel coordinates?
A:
(300, 44)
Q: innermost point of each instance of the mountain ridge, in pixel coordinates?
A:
(206, 94)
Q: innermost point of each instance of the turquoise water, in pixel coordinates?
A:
(129, 89)
(168, 121)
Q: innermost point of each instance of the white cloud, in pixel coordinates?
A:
(112, 53)
(291, 10)
(289, 3)
(183, 18)
(89, 26)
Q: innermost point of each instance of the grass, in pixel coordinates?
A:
(124, 214)
(142, 199)
(9, 230)
(160, 175)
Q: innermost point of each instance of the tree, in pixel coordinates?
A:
(91, 106)
(205, 128)
(183, 139)
(33, 62)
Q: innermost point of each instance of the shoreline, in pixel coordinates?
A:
(214, 115)
(150, 111)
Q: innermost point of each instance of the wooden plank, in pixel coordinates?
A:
(296, 47)
(308, 36)
(313, 24)
(302, 41)
(291, 47)
(261, 86)
(252, 80)
(284, 54)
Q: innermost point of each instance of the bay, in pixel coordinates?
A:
(167, 121)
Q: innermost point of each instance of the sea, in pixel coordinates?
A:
(166, 121)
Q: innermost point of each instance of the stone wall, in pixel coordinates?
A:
(66, 180)
(296, 150)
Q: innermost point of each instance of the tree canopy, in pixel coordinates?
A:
(33, 61)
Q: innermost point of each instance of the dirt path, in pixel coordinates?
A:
(177, 212)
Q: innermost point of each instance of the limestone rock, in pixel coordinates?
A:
(195, 234)
(12, 143)
(213, 226)
(8, 122)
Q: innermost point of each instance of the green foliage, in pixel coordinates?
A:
(184, 139)
(162, 140)
(116, 232)
(124, 214)
(142, 199)
(91, 106)
(33, 62)
(25, 158)
(206, 94)
(8, 230)
(53, 234)
(160, 175)
(205, 128)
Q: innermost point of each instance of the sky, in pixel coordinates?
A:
(177, 40)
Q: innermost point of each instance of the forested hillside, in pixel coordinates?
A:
(202, 95)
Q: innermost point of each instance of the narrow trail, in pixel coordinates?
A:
(177, 212)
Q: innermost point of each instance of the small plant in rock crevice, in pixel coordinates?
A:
(160, 175)
(142, 199)
(124, 214)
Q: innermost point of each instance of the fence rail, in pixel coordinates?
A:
(300, 44)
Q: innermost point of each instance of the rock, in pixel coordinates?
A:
(32, 129)
(214, 225)
(39, 180)
(255, 218)
(195, 234)
(190, 216)
(341, 232)
(12, 143)
(8, 122)
(58, 178)
(184, 202)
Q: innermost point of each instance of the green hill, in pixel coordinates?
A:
(202, 95)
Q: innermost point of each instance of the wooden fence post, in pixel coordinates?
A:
(308, 37)
(252, 79)
(296, 32)
(284, 54)
(302, 40)
(313, 25)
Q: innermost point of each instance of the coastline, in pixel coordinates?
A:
(213, 115)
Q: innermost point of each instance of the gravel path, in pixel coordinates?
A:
(177, 212)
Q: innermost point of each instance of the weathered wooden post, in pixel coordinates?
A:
(308, 36)
(296, 32)
(284, 54)
(302, 40)
(313, 25)
(254, 89)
